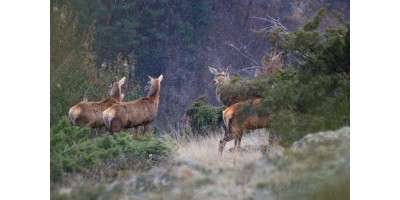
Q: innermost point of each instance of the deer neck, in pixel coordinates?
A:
(109, 101)
(218, 91)
(116, 97)
(154, 92)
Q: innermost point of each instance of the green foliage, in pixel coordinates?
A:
(297, 108)
(73, 151)
(317, 51)
(204, 117)
(145, 29)
(241, 89)
(73, 72)
(313, 93)
(71, 68)
(319, 16)
(287, 74)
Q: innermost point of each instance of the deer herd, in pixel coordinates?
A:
(115, 115)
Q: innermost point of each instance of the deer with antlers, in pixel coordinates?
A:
(132, 114)
(91, 112)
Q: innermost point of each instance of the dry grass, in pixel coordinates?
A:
(205, 150)
(198, 171)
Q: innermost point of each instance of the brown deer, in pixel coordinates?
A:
(235, 125)
(91, 112)
(133, 114)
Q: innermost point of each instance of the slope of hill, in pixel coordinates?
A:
(315, 167)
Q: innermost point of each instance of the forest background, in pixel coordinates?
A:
(38, 38)
(91, 40)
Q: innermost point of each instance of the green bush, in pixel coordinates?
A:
(241, 89)
(204, 117)
(322, 103)
(313, 93)
(314, 51)
(73, 151)
(300, 107)
(75, 70)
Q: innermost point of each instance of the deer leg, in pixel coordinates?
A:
(238, 140)
(134, 133)
(146, 128)
(97, 130)
(272, 139)
(110, 129)
(225, 129)
(234, 149)
(236, 143)
(227, 138)
(227, 123)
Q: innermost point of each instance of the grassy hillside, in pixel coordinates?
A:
(315, 167)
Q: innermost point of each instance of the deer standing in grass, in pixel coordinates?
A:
(132, 114)
(233, 126)
(91, 112)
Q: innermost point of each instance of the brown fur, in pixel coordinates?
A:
(91, 112)
(235, 127)
(141, 112)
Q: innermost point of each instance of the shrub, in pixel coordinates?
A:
(298, 107)
(240, 89)
(313, 93)
(315, 50)
(72, 151)
(74, 72)
(204, 117)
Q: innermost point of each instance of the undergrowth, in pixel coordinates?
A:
(72, 151)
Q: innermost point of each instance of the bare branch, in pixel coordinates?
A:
(244, 52)
(249, 68)
(275, 24)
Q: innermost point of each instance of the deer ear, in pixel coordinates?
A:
(228, 68)
(111, 91)
(212, 70)
(122, 81)
(150, 77)
(160, 78)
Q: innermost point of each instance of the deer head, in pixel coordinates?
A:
(154, 86)
(221, 75)
(115, 89)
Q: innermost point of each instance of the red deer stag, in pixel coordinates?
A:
(91, 112)
(133, 114)
(235, 125)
